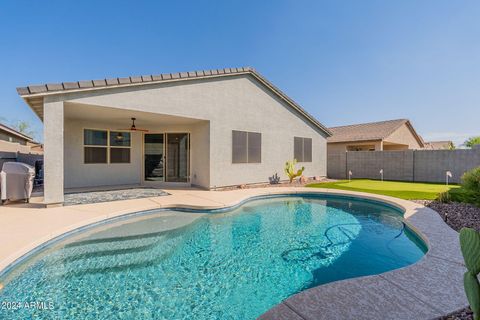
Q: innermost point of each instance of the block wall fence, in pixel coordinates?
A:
(408, 165)
(29, 159)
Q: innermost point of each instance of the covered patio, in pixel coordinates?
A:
(102, 149)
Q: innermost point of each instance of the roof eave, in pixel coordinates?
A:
(359, 140)
(71, 87)
(15, 133)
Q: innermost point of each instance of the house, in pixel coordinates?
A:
(209, 129)
(439, 145)
(12, 141)
(375, 136)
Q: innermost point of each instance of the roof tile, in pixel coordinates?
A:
(54, 86)
(111, 81)
(99, 83)
(85, 84)
(38, 88)
(70, 85)
(136, 79)
(124, 80)
(23, 91)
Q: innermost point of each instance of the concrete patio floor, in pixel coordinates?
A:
(425, 290)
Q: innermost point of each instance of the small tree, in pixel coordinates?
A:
(472, 141)
(24, 127)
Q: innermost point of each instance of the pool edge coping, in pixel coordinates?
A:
(410, 209)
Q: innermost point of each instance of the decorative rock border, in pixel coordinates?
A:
(428, 289)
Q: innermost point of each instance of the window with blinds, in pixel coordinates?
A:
(246, 147)
(302, 149)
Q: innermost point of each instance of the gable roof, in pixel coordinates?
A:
(34, 94)
(370, 131)
(14, 132)
(438, 145)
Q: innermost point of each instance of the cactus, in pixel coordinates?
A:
(470, 246)
(290, 170)
(275, 179)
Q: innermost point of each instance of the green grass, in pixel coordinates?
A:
(403, 190)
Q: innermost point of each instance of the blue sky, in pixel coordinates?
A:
(343, 61)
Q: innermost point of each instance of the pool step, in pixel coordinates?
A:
(116, 256)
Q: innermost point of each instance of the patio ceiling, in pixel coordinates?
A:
(122, 117)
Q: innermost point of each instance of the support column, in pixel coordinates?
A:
(53, 122)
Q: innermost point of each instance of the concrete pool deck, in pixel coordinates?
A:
(428, 289)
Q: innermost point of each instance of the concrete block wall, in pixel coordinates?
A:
(398, 165)
(336, 165)
(29, 159)
(407, 165)
(431, 165)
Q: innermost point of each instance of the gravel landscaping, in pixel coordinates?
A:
(465, 314)
(456, 215)
(111, 195)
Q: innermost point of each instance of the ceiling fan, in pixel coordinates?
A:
(133, 127)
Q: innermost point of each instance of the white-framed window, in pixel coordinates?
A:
(105, 146)
(302, 149)
(246, 147)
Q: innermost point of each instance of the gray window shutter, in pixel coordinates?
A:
(298, 149)
(307, 149)
(239, 147)
(254, 147)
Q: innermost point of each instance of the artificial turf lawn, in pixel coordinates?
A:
(403, 190)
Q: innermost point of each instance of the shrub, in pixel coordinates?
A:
(470, 191)
(444, 197)
(471, 180)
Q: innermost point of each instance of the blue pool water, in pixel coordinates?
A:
(230, 265)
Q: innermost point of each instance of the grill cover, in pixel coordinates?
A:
(16, 181)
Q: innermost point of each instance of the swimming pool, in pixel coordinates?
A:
(224, 265)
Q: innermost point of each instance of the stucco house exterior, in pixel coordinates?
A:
(387, 135)
(209, 129)
(13, 141)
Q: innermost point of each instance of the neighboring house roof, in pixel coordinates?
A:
(34, 94)
(14, 132)
(438, 145)
(370, 131)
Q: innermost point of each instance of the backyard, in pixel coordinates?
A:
(454, 203)
(403, 190)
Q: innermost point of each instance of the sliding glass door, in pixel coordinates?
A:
(154, 160)
(178, 157)
(167, 157)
